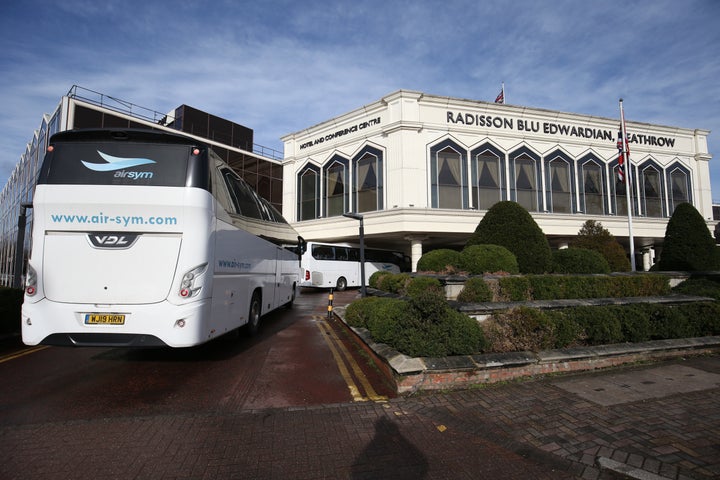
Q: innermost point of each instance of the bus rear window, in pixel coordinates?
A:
(116, 163)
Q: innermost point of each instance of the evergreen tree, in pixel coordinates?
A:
(593, 236)
(688, 245)
(509, 225)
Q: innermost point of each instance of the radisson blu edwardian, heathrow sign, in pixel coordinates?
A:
(549, 128)
(516, 124)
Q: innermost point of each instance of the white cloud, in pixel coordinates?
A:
(282, 66)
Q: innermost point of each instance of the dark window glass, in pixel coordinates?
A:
(116, 163)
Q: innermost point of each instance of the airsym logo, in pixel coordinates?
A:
(112, 240)
(119, 164)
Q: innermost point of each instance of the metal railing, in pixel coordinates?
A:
(147, 114)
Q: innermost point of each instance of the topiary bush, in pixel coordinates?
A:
(600, 325)
(688, 244)
(439, 260)
(393, 282)
(479, 259)
(475, 290)
(700, 286)
(510, 225)
(422, 326)
(579, 260)
(374, 279)
(593, 236)
(519, 329)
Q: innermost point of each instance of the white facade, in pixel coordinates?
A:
(423, 169)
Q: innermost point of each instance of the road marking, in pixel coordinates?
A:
(343, 359)
(13, 356)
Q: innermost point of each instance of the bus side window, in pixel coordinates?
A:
(320, 252)
(341, 253)
(242, 196)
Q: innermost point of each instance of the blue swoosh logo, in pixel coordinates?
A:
(115, 163)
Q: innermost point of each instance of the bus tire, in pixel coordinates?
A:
(341, 284)
(253, 324)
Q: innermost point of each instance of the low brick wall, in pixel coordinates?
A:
(411, 375)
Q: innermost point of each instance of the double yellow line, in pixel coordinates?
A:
(12, 356)
(346, 363)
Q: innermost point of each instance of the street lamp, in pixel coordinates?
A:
(355, 216)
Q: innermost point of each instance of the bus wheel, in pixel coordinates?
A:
(341, 284)
(254, 314)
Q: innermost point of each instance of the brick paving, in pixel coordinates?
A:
(531, 429)
(556, 427)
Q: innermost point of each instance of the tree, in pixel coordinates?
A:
(688, 245)
(509, 225)
(593, 236)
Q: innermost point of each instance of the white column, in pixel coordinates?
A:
(416, 250)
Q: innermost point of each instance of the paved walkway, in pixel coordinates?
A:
(655, 421)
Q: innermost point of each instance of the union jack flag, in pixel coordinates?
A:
(622, 154)
(501, 97)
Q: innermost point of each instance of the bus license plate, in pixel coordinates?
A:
(104, 319)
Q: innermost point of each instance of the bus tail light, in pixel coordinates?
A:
(31, 281)
(189, 284)
(307, 274)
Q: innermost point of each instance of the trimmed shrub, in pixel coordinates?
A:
(579, 260)
(439, 260)
(393, 282)
(358, 312)
(427, 297)
(479, 259)
(374, 279)
(509, 224)
(475, 290)
(557, 287)
(10, 307)
(515, 289)
(593, 236)
(688, 244)
(567, 331)
(519, 329)
(600, 325)
(701, 287)
(423, 326)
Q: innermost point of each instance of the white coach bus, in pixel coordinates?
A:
(143, 238)
(330, 265)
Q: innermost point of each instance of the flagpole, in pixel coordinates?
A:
(503, 92)
(628, 185)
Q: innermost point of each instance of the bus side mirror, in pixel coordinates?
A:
(302, 245)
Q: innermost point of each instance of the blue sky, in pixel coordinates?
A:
(281, 66)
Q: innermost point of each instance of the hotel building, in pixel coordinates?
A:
(423, 169)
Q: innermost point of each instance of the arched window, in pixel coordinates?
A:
(449, 179)
(592, 186)
(526, 176)
(309, 193)
(368, 180)
(448, 173)
(488, 173)
(336, 188)
(651, 190)
(560, 173)
(619, 189)
(679, 180)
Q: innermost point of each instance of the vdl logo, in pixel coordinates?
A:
(112, 240)
(119, 164)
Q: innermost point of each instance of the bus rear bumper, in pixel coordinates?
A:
(155, 325)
